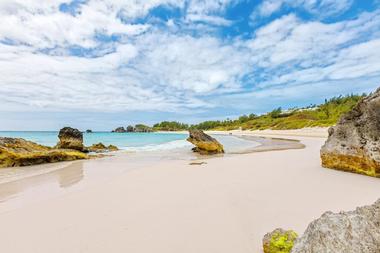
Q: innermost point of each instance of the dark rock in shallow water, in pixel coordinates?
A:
(88, 131)
(101, 148)
(19, 152)
(70, 138)
(344, 232)
(204, 144)
(354, 143)
(119, 130)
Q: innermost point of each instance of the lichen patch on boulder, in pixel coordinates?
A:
(279, 241)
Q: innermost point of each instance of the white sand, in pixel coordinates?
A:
(226, 205)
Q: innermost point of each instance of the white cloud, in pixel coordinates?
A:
(159, 72)
(44, 26)
(153, 68)
(319, 8)
(213, 20)
(290, 50)
(269, 7)
(209, 6)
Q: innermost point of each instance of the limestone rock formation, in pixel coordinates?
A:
(204, 144)
(140, 128)
(101, 148)
(130, 129)
(70, 138)
(279, 241)
(119, 130)
(354, 143)
(344, 232)
(19, 152)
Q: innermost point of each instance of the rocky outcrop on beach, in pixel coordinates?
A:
(19, 152)
(119, 130)
(204, 144)
(279, 241)
(101, 148)
(70, 138)
(344, 232)
(354, 143)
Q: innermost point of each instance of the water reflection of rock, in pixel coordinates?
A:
(70, 175)
(65, 177)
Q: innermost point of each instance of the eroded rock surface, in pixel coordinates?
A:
(70, 138)
(354, 143)
(204, 144)
(344, 232)
(19, 152)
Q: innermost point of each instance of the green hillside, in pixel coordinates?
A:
(326, 114)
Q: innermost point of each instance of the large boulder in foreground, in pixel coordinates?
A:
(19, 152)
(279, 241)
(204, 144)
(344, 232)
(354, 143)
(70, 138)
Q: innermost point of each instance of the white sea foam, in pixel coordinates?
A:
(158, 147)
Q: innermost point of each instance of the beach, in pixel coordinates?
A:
(226, 204)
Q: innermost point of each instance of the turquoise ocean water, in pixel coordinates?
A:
(121, 140)
(133, 141)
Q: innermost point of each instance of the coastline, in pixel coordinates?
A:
(166, 205)
(264, 143)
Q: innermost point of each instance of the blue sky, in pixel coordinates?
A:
(102, 64)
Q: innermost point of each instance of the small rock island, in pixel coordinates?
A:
(139, 128)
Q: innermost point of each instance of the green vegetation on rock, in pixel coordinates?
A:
(19, 152)
(141, 128)
(279, 241)
(170, 126)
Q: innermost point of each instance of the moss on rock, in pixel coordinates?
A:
(204, 144)
(16, 152)
(279, 241)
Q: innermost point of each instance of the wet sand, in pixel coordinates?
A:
(223, 205)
